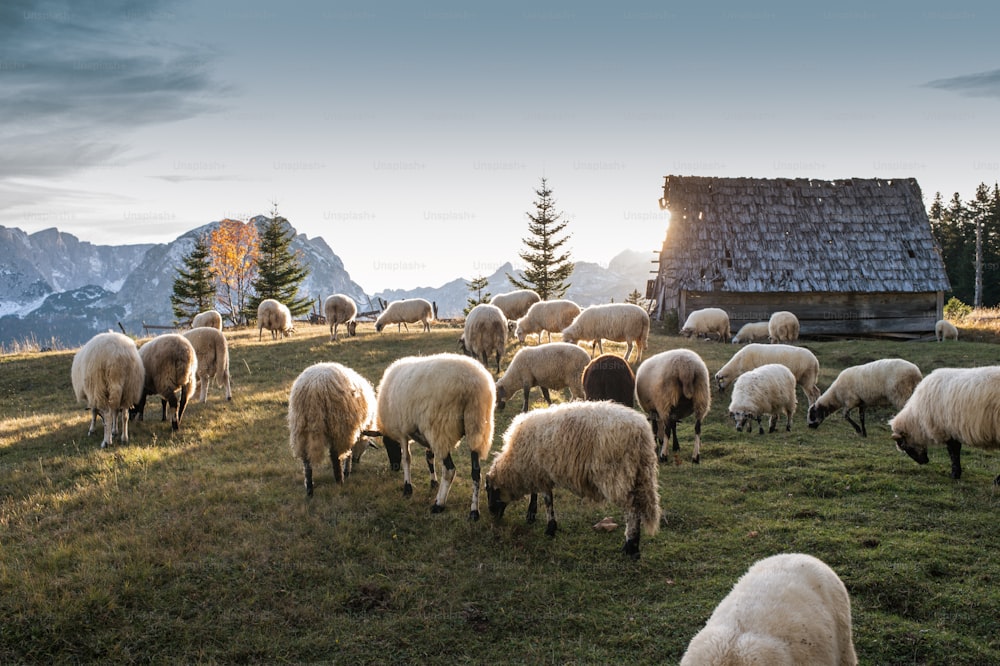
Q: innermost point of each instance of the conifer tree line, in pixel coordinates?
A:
(968, 233)
(236, 266)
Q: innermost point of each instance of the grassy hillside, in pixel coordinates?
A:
(200, 545)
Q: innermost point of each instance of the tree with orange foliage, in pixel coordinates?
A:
(234, 248)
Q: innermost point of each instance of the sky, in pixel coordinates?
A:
(412, 137)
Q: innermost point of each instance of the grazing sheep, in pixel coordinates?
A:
(406, 311)
(107, 374)
(171, 365)
(783, 326)
(755, 331)
(435, 400)
(212, 350)
(707, 322)
(767, 389)
(600, 451)
(485, 334)
(951, 407)
(556, 365)
(210, 318)
(340, 309)
(546, 316)
(329, 408)
(275, 317)
(619, 322)
(670, 386)
(786, 610)
(802, 362)
(886, 382)
(609, 377)
(515, 304)
(945, 330)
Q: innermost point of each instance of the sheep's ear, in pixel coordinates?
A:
(898, 436)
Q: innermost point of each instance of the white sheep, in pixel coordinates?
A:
(330, 407)
(945, 330)
(618, 322)
(754, 331)
(275, 317)
(210, 318)
(767, 389)
(802, 362)
(107, 374)
(783, 326)
(670, 386)
(436, 400)
(951, 407)
(515, 304)
(885, 382)
(707, 322)
(555, 366)
(601, 451)
(790, 609)
(212, 351)
(484, 334)
(340, 309)
(171, 366)
(546, 316)
(406, 311)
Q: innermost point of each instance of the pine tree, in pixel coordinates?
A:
(476, 287)
(194, 286)
(279, 270)
(547, 269)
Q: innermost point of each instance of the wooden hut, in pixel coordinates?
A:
(848, 257)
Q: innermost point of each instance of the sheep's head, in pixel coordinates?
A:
(816, 415)
(494, 498)
(741, 419)
(501, 397)
(352, 328)
(722, 381)
(379, 326)
(570, 338)
(916, 451)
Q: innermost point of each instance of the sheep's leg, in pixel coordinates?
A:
(474, 512)
(696, 455)
(108, 418)
(181, 405)
(532, 508)
(628, 350)
(308, 471)
(93, 421)
(632, 533)
(857, 428)
(446, 480)
(788, 421)
(772, 422)
(550, 513)
(429, 456)
(338, 466)
(203, 388)
(861, 416)
(347, 465)
(527, 397)
(407, 486)
(545, 394)
(760, 426)
(955, 453)
(163, 408)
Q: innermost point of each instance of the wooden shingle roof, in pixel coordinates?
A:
(798, 235)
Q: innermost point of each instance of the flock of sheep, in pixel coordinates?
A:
(438, 400)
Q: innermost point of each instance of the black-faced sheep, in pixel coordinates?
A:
(945, 330)
(951, 407)
(329, 407)
(107, 374)
(211, 318)
(755, 331)
(275, 317)
(552, 366)
(340, 309)
(609, 377)
(212, 351)
(436, 400)
(546, 316)
(406, 311)
(618, 322)
(790, 609)
(886, 382)
(767, 389)
(171, 367)
(515, 304)
(670, 386)
(802, 362)
(484, 334)
(601, 451)
(708, 322)
(783, 326)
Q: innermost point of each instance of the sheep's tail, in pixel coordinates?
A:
(646, 496)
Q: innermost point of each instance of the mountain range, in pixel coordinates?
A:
(56, 290)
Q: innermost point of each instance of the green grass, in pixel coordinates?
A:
(200, 545)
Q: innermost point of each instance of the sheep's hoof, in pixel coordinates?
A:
(437, 508)
(696, 459)
(474, 516)
(407, 490)
(532, 516)
(631, 549)
(664, 458)
(550, 529)
(434, 484)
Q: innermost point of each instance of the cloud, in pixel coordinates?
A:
(983, 84)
